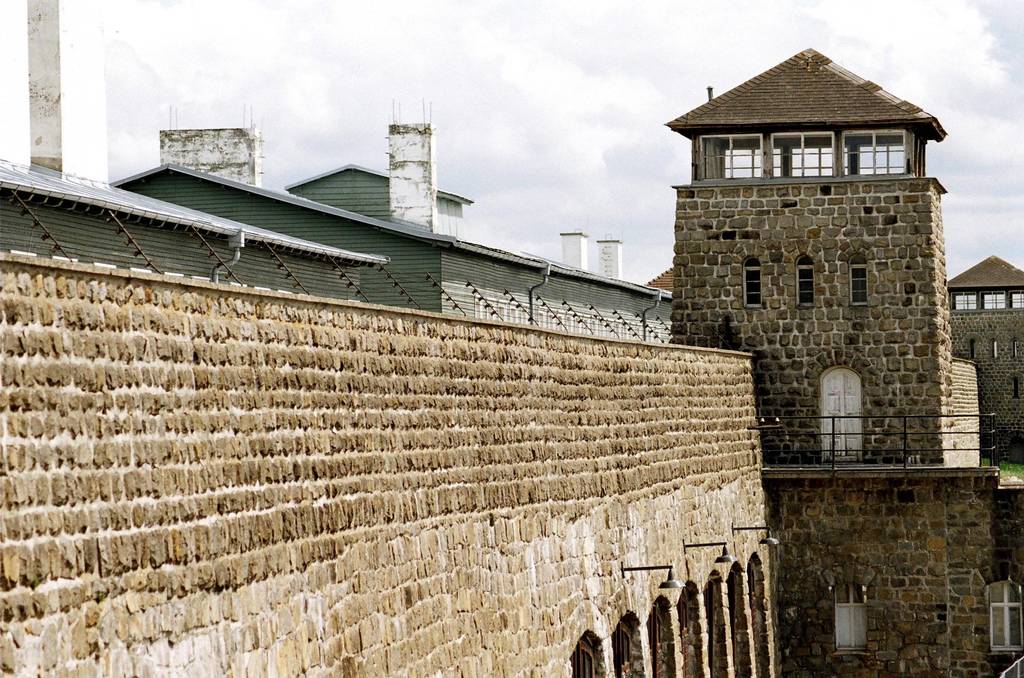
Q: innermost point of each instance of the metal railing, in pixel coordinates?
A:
(889, 440)
(1014, 670)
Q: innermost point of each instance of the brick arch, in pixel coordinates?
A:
(587, 660)
(627, 647)
(717, 645)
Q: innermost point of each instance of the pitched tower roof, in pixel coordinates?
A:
(991, 272)
(806, 90)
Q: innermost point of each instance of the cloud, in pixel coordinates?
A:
(550, 115)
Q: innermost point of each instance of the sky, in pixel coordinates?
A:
(550, 115)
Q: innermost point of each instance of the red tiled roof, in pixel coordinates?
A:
(807, 89)
(663, 281)
(992, 272)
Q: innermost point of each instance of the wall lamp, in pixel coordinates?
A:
(725, 559)
(767, 540)
(669, 583)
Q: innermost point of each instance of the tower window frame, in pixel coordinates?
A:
(993, 301)
(1005, 618)
(1017, 299)
(965, 301)
(728, 161)
(804, 281)
(879, 158)
(803, 160)
(851, 603)
(752, 287)
(858, 281)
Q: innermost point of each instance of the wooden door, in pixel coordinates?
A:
(841, 400)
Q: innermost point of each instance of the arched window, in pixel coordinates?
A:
(659, 639)
(973, 348)
(851, 617)
(738, 622)
(858, 280)
(1004, 603)
(805, 281)
(718, 652)
(1016, 388)
(752, 282)
(758, 616)
(688, 609)
(627, 655)
(995, 348)
(586, 658)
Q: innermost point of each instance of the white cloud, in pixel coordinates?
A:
(550, 114)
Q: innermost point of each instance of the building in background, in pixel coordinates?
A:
(988, 329)
(433, 266)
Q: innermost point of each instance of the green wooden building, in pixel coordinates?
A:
(427, 270)
(44, 213)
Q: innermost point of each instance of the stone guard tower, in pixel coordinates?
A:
(811, 236)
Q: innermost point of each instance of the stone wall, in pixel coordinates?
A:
(965, 438)
(924, 544)
(996, 372)
(898, 343)
(227, 481)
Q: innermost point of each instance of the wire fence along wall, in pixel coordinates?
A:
(555, 314)
(893, 440)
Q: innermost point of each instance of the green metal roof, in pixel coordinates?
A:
(366, 170)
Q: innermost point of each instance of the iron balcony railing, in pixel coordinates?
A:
(890, 440)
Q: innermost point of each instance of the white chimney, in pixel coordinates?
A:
(67, 90)
(413, 174)
(234, 153)
(14, 104)
(609, 258)
(574, 249)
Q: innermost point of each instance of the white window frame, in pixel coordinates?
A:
(1016, 299)
(874, 145)
(847, 636)
(972, 301)
(1005, 608)
(832, 152)
(757, 159)
(859, 265)
(996, 294)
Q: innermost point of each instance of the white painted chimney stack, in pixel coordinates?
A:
(67, 89)
(413, 174)
(234, 153)
(574, 249)
(609, 258)
(14, 104)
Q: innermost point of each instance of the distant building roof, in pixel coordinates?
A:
(366, 170)
(663, 281)
(991, 272)
(806, 90)
(41, 181)
(398, 227)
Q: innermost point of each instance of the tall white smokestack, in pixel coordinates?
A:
(14, 105)
(67, 89)
(574, 249)
(413, 174)
(609, 258)
(234, 153)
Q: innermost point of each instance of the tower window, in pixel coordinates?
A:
(995, 348)
(851, 617)
(1016, 388)
(805, 281)
(802, 155)
(752, 282)
(973, 348)
(858, 281)
(875, 152)
(965, 301)
(993, 300)
(732, 157)
(1004, 602)
(1017, 299)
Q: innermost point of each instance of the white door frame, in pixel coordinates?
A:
(841, 395)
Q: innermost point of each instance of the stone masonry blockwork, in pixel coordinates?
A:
(201, 479)
(899, 342)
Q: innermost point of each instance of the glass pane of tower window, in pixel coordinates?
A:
(875, 153)
(1017, 299)
(732, 157)
(965, 301)
(802, 155)
(993, 300)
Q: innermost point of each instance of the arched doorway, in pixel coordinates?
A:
(627, 653)
(717, 645)
(840, 409)
(1015, 450)
(758, 616)
(690, 635)
(660, 640)
(586, 658)
(738, 622)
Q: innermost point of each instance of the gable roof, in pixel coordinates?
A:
(46, 182)
(394, 226)
(808, 89)
(366, 170)
(663, 281)
(991, 272)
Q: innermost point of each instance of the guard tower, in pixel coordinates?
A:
(811, 236)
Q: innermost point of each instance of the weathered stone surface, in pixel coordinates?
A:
(200, 480)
